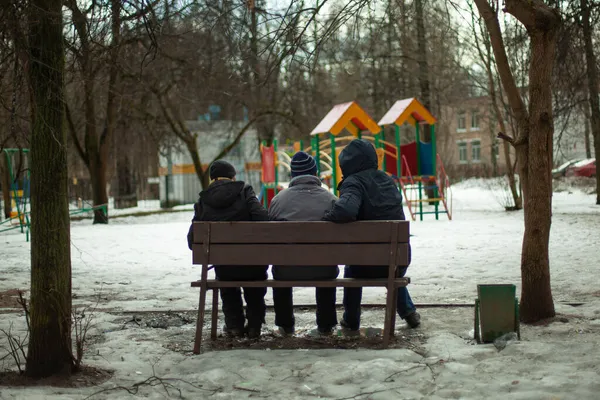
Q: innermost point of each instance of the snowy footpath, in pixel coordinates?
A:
(136, 272)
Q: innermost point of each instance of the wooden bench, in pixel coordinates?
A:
(300, 243)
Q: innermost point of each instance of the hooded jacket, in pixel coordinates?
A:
(365, 192)
(227, 200)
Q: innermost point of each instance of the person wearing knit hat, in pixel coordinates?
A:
(303, 164)
(226, 199)
(304, 200)
(221, 169)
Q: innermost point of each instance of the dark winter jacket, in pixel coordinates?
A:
(226, 200)
(365, 192)
(304, 200)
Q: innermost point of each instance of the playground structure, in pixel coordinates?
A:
(397, 160)
(272, 159)
(16, 182)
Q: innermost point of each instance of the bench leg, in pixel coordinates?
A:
(215, 314)
(389, 313)
(394, 312)
(200, 320)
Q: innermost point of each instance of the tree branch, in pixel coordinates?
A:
(73, 132)
(241, 133)
(515, 100)
(534, 14)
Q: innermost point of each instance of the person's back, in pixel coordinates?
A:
(368, 194)
(371, 193)
(226, 199)
(304, 200)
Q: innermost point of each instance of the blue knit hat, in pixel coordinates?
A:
(303, 164)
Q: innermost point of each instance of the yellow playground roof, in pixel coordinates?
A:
(347, 115)
(407, 110)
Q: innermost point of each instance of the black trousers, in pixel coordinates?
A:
(283, 297)
(232, 297)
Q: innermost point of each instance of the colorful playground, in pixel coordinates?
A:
(415, 166)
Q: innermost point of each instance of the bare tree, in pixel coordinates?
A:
(533, 142)
(49, 350)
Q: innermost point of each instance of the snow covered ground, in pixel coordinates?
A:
(137, 264)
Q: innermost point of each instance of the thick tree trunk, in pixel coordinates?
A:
(536, 294)
(49, 350)
(593, 82)
(533, 143)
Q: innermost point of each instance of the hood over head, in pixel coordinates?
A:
(222, 193)
(358, 155)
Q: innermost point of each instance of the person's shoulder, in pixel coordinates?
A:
(247, 187)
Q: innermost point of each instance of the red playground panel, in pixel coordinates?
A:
(408, 151)
(270, 195)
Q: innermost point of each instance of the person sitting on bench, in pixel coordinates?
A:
(366, 193)
(304, 200)
(226, 199)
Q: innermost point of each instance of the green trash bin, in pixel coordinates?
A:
(496, 312)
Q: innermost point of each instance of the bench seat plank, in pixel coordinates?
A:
(301, 254)
(342, 282)
(300, 232)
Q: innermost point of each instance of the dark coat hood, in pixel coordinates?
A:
(358, 156)
(222, 194)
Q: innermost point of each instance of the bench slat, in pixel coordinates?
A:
(212, 283)
(301, 254)
(301, 232)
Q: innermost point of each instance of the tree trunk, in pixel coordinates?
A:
(49, 350)
(587, 131)
(493, 152)
(5, 183)
(592, 75)
(97, 168)
(126, 195)
(203, 175)
(533, 143)
(536, 294)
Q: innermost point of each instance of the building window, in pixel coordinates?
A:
(462, 152)
(462, 121)
(476, 151)
(475, 120)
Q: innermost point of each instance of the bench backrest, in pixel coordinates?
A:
(301, 243)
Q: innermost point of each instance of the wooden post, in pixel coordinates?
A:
(215, 314)
(390, 305)
(203, 288)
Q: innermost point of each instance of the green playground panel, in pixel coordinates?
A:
(496, 312)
